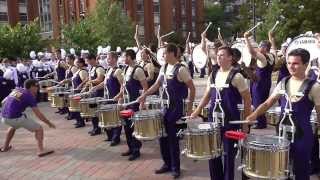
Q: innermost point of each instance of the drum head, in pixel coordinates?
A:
(242, 47)
(197, 127)
(147, 114)
(160, 57)
(266, 142)
(307, 42)
(199, 57)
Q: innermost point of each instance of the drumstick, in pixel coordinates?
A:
(274, 26)
(168, 34)
(129, 103)
(188, 36)
(219, 31)
(210, 23)
(254, 27)
(242, 122)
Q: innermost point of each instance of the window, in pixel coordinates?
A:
(3, 16)
(45, 16)
(140, 7)
(23, 17)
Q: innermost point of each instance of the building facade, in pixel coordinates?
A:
(182, 16)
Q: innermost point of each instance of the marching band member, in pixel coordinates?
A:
(60, 66)
(112, 83)
(72, 69)
(23, 74)
(188, 56)
(178, 82)
(10, 76)
(135, 80)
(149, 64)
(78, 80)
(232, 95)
(304, 96)
(260, 88)
(312, 73)
(13, 115)
(96, 76)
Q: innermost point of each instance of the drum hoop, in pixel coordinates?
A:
(254, 144)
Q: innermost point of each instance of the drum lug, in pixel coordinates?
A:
(241, 167)
(183, 152)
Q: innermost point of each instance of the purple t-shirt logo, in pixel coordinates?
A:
(16, 103)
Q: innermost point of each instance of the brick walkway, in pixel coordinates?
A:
(79, 156)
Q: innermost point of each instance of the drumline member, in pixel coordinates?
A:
(178, 83)
(10, 77)
(78, 80)
(315, 161)
(188, 56)
(232, 95)
(60, 67)
(135, 80)
(261, 88)
(304, 96)
(72, 69)
(14, 115)
(23, 72)
(280, 58)
(112, 84)
(96, 76)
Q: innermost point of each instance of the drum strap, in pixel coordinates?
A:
(133, 71)
(231, 75)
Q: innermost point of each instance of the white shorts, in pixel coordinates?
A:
(23, 121)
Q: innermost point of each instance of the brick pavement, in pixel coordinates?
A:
(79, 156)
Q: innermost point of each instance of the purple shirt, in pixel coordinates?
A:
(16, 103)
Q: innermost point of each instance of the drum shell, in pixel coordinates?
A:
(59, 100)
(203, 145)
(148, 126)
(74, 105)
(89, 106)
(109, 118)
(266, 163)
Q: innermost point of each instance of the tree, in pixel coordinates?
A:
(82, 35)
(112, 25)
(19, 40)
(215, 13)
(295, 16)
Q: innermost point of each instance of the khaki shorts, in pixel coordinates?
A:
(23, 121)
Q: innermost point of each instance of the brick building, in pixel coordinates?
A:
(179, 15)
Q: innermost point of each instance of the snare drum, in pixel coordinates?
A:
(109, 116)
(148, 124)
(54, 89)
(266, 157)
(89, 106)
(59, 99)
(273, 115)
(153, 103)
(203, 141)
(204, 112)
(74, 103)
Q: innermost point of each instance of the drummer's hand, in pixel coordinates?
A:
(194, 114)
(247, 35)
(142, 98)
(252, 117)
(142, 106)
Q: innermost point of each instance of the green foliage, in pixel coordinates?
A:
(300, 16)
(19, 40)
(106, 26)
(215, 13)
(81, 35)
